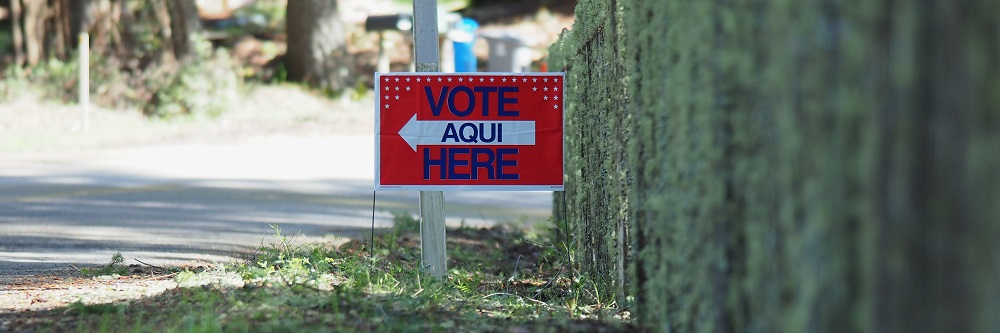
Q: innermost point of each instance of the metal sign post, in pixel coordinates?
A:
(432, 228)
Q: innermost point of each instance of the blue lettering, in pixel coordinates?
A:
(469, 137)
(468, 108)
(428, 162)
(493, 132)
(504, 100)
(506, 162)
(486, 98)
(454, 162)
(501, 101)
(450, 133)
(470, 163)
(436, 108)
(478, 163)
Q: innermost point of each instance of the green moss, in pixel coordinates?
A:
(787, 166)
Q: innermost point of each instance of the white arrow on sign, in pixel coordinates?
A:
(485, 132)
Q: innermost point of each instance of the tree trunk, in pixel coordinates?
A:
(184, 26)
(101, 26)
(60, 40)
(123, 23)
(34, 29)
(15, 17)
(165, 32)
(317, 50)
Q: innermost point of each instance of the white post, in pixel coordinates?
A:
(432, 229)
(383, 53)
(85, 79)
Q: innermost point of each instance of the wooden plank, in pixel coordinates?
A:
(432, 233)
(427, 57)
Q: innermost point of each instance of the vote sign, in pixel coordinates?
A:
(471, 131)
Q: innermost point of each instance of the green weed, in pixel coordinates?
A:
(403, 222)
(115, 267)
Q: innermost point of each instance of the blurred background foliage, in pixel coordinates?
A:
(193, 57)
(144, 54)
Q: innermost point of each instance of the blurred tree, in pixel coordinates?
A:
(35, 12)
(317, 50)
(44, 28)
(15, 16)
(178, 25)
(184, 26)
(59, 27)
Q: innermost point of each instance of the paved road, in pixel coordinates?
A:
(177, 204)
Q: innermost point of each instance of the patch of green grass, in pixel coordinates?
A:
(403, 222)
(498, 280)
(115, 267)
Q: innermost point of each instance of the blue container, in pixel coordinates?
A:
(464, 36)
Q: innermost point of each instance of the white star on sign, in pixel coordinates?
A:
(418, 79)
(407, 79)
(534, 79)
(504, 79)
(386, 88)
(460, 80)
(386, 79)
(397, 97)
(545, 88)
(397, 88)
(386, 105)
(555, 79)
(480, 79)
(545, 97)
(546, 80)
(449, 79)
(470, 79)
(555, 106)
(387, 97)
(525, 80)
(407, 88)
(555, 88)
(397, 79)
(556, 97)
(439, 79)
(534, 88)
(491, 79)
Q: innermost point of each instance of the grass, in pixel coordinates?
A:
(499, 279)
(115, 267)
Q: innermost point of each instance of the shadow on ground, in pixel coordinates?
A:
(53, 222)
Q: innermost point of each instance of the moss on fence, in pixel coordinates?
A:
(787, 166)
(598, 131)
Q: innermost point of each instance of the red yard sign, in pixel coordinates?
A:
(471, 131)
